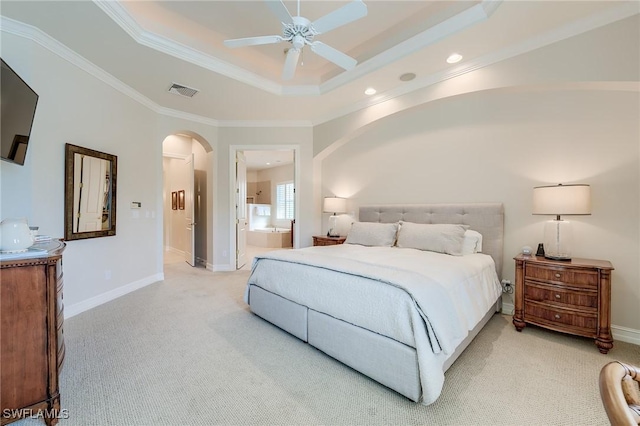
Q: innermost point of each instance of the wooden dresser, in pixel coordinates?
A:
(321, 240)
(568, 296)
(32, 343)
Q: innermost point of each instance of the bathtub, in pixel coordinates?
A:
(271, 229)
(269, 237)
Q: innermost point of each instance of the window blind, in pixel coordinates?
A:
(284, 200)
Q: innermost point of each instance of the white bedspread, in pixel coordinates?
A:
(423, 299)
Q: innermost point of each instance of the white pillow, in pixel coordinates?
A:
(472, 242)
(440, 238)
(372, 234)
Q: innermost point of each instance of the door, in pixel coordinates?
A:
(92, 192)
(241, 210)
(189, 212)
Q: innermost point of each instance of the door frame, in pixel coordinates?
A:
(232, 188)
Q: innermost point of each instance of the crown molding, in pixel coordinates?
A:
(573, 29)
(121, 16)
(169, 112)
(20, 29)
(471, 16)
(37, 36)
(264, 123)
(34, 34)
(431, 35)
(462, 20)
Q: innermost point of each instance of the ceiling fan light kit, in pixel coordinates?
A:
(300, 32)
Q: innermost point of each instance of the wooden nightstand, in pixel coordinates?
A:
(568, 296)
(321, 240)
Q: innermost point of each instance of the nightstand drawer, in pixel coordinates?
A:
(567, 276)
(327, 241)
(556, 295)
(585, 324)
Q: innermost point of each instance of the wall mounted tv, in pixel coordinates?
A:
(17, 109)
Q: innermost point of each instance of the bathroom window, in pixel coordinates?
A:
(284, 200)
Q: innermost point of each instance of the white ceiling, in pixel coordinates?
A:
(148, 45)
(260, 160)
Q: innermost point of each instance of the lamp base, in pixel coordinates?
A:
(333, 226)
(557, 239)
(557, 258)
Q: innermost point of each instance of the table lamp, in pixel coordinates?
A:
(334, 205)
(560, 200)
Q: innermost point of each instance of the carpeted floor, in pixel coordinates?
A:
(187, 351)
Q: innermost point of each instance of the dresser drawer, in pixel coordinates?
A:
(583, 323)
(573, 277)
(560, 296)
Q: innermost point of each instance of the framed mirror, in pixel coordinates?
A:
(89, 193)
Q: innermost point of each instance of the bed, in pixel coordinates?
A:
(399, 313)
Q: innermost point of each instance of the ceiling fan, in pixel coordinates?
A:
(299, 31)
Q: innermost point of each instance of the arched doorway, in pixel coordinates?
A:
(187, 166)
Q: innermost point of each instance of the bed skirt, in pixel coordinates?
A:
(385, 360)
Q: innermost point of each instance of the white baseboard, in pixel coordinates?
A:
(507, 308)
(175, 250)
(625, 334)
(222, 268)
(622, 334)
(76, 308)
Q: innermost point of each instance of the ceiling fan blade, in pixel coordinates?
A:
(333, 55)
(290, 63)
(280, 10)
(348, 13)
(253, 41)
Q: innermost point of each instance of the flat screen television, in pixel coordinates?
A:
(17, 110)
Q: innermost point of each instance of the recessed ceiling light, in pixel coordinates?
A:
(268, 164)
(408, 76)
(370, 91)
(454, 57)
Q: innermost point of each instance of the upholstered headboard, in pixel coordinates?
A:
(486, 218)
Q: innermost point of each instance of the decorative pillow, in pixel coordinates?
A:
(441, 238)
(372, 234)
(472, 242)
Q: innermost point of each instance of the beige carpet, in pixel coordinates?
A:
(186, 351)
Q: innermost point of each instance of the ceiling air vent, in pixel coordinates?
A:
(179, 89)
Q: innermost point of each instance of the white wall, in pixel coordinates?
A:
(568, 112)
(495, 146)
(77, 108)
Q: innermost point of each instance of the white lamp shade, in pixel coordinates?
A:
(334, 205)
(562, 200)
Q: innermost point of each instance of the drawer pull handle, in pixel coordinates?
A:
(557, 316)
(557, 275)
(557, 296)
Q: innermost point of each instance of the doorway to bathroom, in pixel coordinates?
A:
(269, 200)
